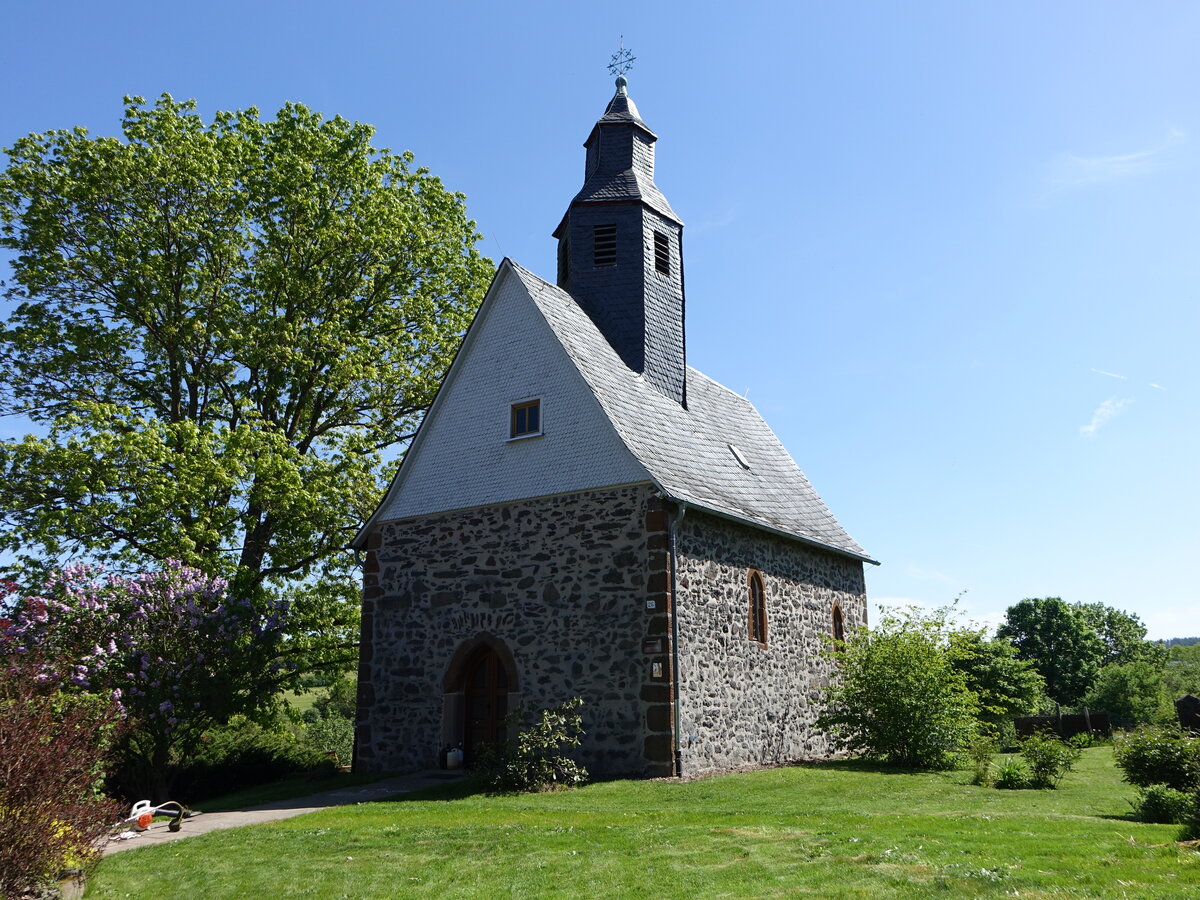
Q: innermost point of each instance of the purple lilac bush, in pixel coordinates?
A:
(174, 651)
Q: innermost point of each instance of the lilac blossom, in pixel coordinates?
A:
(169, 646)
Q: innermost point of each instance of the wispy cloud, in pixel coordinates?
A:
(1155, 385)
(928, 574)
(1073, 172)
(1104, 412)
(720, 220)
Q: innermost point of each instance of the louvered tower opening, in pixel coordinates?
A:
(604, 245)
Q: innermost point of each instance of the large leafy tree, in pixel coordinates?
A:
(1003, 684)
(1122, 633)
(1060, 643)
(1131, 693)
(1181, 673)
(223, 332)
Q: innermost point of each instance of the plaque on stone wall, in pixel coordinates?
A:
(652, 645)
(656, 670)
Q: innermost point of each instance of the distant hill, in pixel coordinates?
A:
(1182, 642)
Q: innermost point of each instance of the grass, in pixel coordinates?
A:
(839, 830)
(302, 702)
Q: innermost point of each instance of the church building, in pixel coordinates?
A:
(583, 515)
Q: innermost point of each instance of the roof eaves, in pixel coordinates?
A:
(762, 526)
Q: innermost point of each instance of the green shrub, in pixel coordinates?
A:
(1006, 737)
(535, 761)
(1165, 806)
(339, 699)
(980, 752)
(333, 734)
(1159, 754)
(329, 725)
(1048, 758)
(245, 754)
(1191, 823)
(1011, 774)
(1081, 740)
(898, 696)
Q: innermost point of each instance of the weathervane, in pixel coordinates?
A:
(622, 61)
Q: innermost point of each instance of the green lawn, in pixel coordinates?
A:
(303, 702)
(825, 831)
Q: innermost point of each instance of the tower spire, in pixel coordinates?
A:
(620, 245)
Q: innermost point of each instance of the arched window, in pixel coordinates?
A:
(839, 626)
(758, 608)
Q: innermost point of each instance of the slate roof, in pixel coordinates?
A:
(631, 184)
(687, 452)
(622, 110)
(628, 185)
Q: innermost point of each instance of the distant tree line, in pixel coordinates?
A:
(1097, 656)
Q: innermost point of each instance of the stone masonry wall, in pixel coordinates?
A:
(742, 702)
(561, 583)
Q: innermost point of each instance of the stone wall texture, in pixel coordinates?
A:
(574, 592)
(744, 702)
(560, 583)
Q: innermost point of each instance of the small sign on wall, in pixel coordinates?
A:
(656, 670)
(653, 645)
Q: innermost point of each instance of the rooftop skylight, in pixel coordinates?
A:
(739, 456)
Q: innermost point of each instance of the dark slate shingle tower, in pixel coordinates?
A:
(620, 251)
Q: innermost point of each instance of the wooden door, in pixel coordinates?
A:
(486, 701)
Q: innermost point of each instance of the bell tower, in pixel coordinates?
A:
(620, 249)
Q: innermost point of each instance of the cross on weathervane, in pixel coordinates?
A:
(622, 61)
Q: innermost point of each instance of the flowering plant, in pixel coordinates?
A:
(170, 647)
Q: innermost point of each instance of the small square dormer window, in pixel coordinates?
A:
(526, 419)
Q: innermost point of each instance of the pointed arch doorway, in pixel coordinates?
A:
(480, 690)
(486, 685)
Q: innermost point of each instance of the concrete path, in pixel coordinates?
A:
(282, 809)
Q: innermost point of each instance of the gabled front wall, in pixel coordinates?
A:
(561, 583)
(743, 703)
(463, 456)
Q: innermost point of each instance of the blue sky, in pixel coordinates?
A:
(949, 249)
